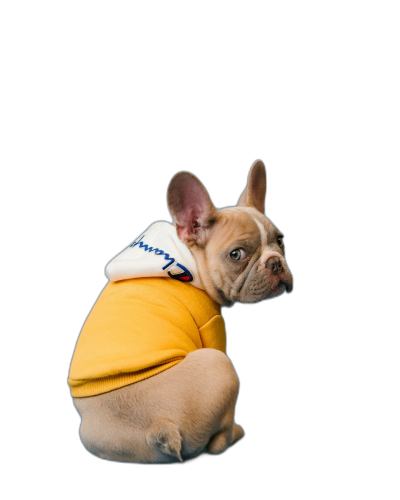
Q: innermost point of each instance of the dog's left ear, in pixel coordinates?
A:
(254, 194)
(191, 207)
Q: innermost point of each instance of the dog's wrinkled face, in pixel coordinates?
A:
(245, 258)
(239, 252)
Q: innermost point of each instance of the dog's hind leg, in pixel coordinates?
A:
(171, 416)
(225, 438)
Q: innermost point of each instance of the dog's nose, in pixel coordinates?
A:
(275, 264)
(267, 257)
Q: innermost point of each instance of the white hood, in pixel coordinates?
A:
(157, 252)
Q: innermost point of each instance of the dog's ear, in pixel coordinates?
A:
(191, 208)
(254, 194)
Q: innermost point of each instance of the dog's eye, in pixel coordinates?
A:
(238, 254)
(280, 241)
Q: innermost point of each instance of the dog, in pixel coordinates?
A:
(150, 377)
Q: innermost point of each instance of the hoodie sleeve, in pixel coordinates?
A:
(213, 334)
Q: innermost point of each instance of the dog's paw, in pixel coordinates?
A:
(221, 441)
(238, 432)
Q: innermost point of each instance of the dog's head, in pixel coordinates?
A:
(239, 252)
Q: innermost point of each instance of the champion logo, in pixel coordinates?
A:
(183, 275)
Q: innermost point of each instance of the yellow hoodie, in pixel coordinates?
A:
(142, 326)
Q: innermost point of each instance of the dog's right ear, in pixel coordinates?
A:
(191, 208)
(254, 194)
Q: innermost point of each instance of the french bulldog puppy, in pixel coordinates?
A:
(189, 407)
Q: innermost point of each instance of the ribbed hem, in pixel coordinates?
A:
(94, 387)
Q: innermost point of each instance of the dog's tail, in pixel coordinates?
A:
(166, 437)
